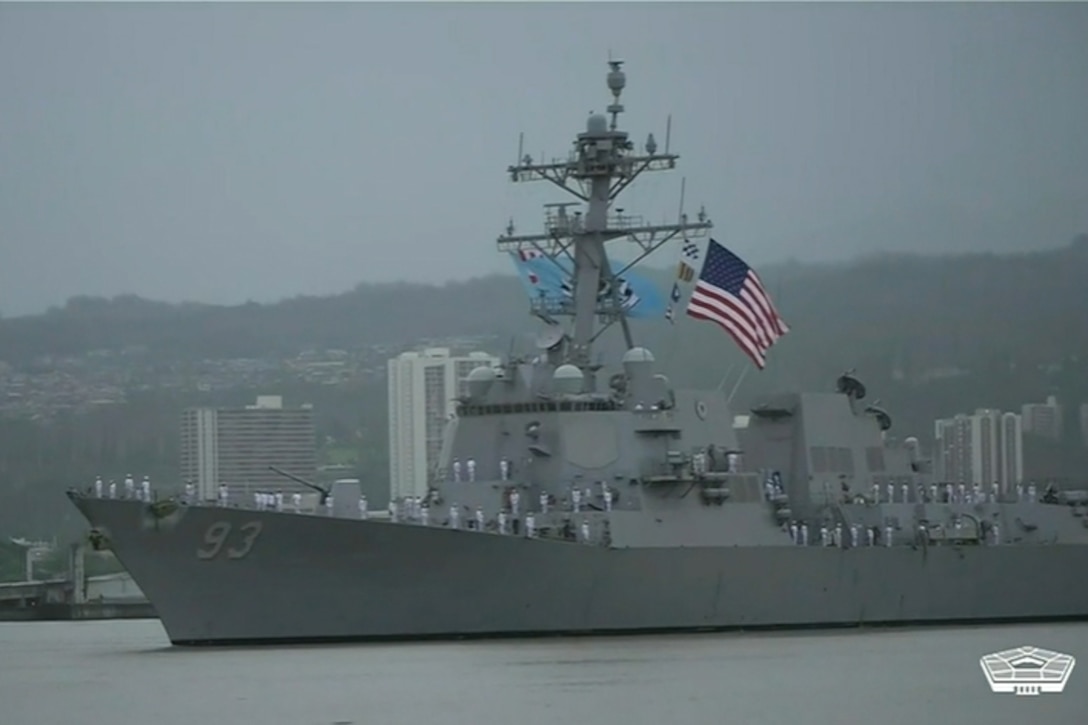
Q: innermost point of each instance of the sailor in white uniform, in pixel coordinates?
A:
(906, 492)
(224, 494)
(145, 485)
(455, 517)
(393, 511)
(891, 493)
(576, 499)
(479, 519)
(1019, 492)
(278, 496)
(585, 531)
(424, 515)
(362, 508)
(258, 500)
(296, 502)
(190, 491)
(504, 469)
(824, 538)
(793, 532)
(515, 499)
(876, 493)
(997, 534)
(887, 536)
(113, 489)
(544, 503)
(502, 522)
(607, 499)
(870, 534)
(456, 470)
(804, 534)
(530, 526)
(130, 486)
(1032, 493)
(854, 536)
(472, 469)
(98, 487)
(933, 492)
(837, 539)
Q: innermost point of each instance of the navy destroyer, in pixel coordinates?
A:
(577, 498)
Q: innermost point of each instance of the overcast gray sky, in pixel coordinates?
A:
(228, 152)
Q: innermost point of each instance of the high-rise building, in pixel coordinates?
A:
(236, 446)
(1012, 450)
(423, 389)
(984, 448)
(1043, 419)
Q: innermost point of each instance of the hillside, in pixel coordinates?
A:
(932, 336)
(939, 309)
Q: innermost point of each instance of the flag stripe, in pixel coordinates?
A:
(743, 342)
(721, 309)
(730, 294)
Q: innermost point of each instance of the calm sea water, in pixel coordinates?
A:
(121, 673)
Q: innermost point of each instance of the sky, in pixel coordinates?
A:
(231, 152)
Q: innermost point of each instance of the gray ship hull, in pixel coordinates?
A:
(313, 578)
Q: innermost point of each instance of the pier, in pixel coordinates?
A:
(73, 597)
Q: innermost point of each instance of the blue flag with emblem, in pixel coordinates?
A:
(550, 280)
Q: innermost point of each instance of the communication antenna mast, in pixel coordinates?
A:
(604, 163)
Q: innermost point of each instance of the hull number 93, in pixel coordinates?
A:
(218, 540)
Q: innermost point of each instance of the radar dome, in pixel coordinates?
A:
(479, 381)
(597, 124)
(616, 80)
(567, 380)
(638, 355)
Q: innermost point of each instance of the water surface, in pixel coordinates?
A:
(126, 673)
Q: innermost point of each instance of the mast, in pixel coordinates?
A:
(603, 163)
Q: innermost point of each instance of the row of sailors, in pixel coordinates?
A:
(834, 537)
(505, 523)
(413, 509)
(953, 494)
(131, 490)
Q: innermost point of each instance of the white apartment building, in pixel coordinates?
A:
(982, 448)
(1043, 419)
(236, 446)
(423, 388)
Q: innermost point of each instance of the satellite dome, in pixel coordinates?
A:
(597, 124)
(638, 355)
(568, 380)
(480, 380)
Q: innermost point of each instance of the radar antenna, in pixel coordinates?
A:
(603, 163)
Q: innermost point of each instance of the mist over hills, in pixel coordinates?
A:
(1027, 307)
(932, 336)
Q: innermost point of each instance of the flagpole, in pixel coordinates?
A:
(726, 377)
(740, 380)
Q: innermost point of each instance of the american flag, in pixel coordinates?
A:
(730, 294)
